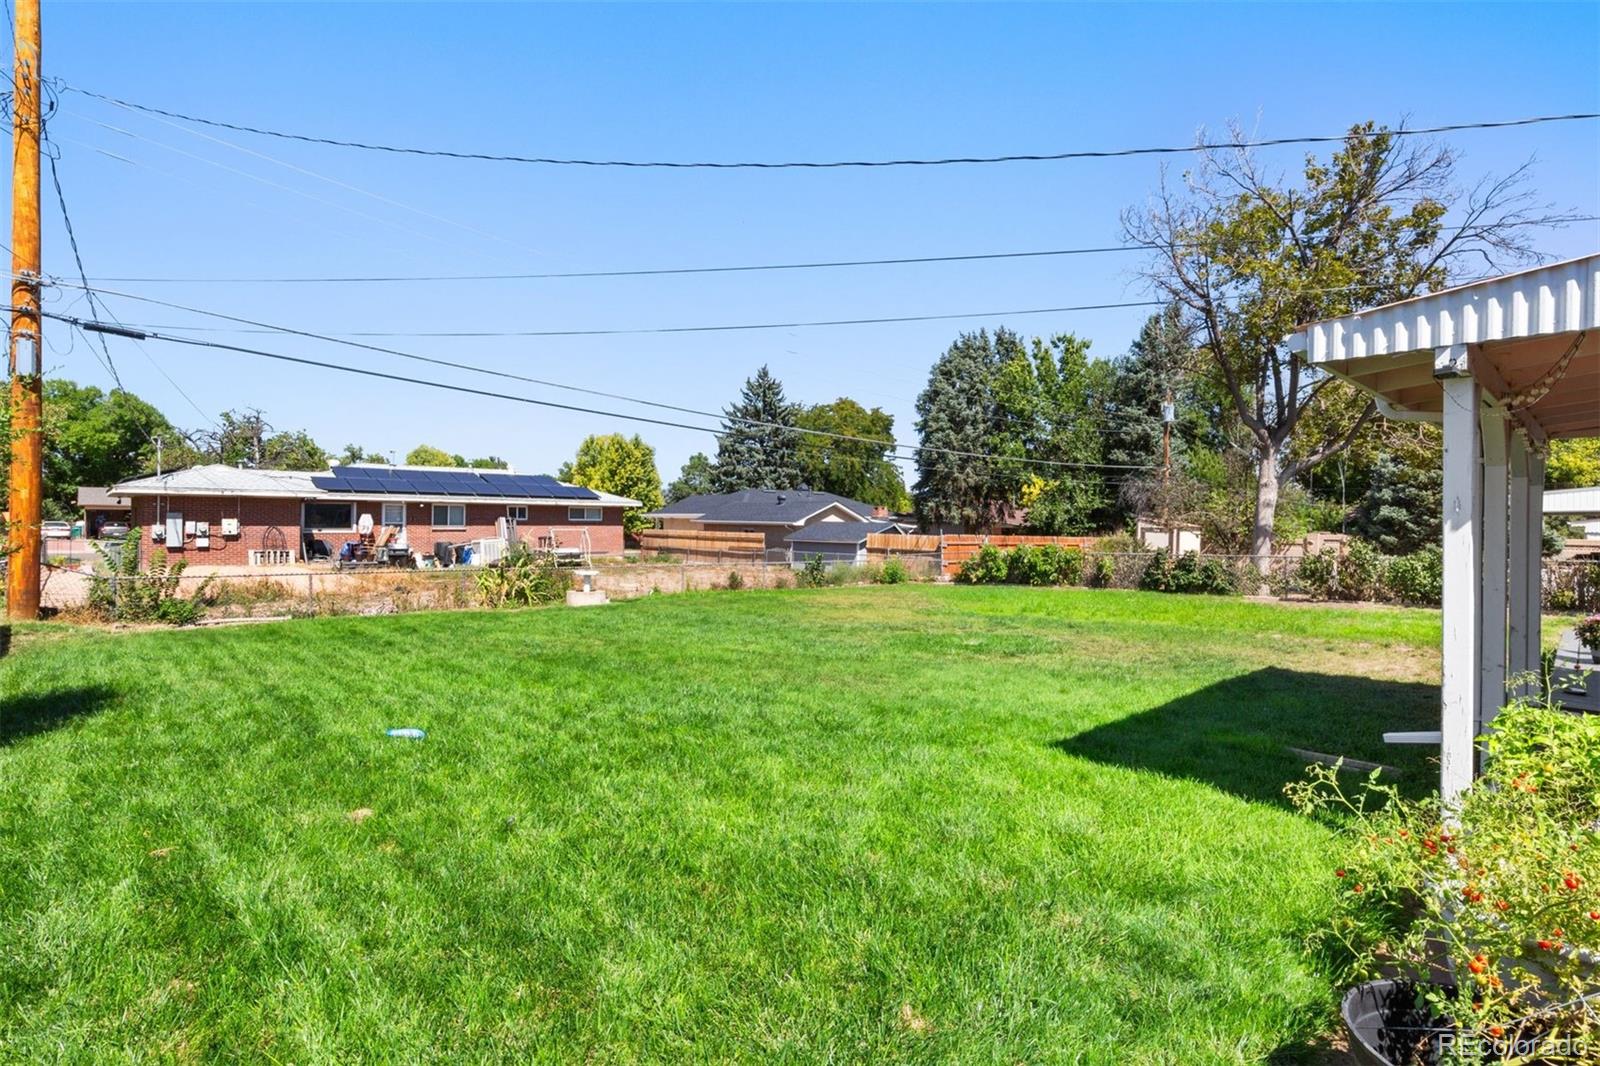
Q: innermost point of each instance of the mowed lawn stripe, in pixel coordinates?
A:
(906, 824)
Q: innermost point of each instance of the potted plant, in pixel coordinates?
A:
(1474, 929)
(1588, 631)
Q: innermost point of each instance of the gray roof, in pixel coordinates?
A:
(760, 506)
(839, 532)
(100, 499)
(218, 479)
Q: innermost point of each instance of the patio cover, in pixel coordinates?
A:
(1505, 365)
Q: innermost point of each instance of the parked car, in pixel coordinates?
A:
(55, 530)
(113, 530)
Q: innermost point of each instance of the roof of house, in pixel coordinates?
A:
(370, 482)
(786, 507)
(840, 532)
(100, 498)
(1584, 500)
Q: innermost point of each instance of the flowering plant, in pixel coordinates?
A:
(1502, 887)
(1589, 633)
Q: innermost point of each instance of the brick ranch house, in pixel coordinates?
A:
(220, 515)
(772, 512)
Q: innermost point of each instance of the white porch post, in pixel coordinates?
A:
(1523, 538)
(1492, 605)
(1534, 561)
(1459, 680)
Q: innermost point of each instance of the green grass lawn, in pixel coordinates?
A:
(913, 823)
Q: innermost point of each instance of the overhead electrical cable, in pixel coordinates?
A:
(97, 307)
(737, 268)
(1114, 153)
(459, 334)
(132, 333)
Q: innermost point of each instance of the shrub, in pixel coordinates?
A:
(1417, 578)
(986, 567)
(1318, 574)
(1361, 572)
(814, 574)
(1119, 544)
(1103, 574)
(1027, 565)
(1502, 883)
(1157, 576)
(522, 579)
(1069, 568)
(178, 612)
(735, 580)
(894, 572)
(1189, 574)
(125, 593)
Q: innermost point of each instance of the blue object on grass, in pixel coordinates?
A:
(409, 732)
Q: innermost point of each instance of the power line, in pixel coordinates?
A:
(98, 307)
(738, 268)
(138, 334)
(807, 164)
(460, 334)
(734, 269)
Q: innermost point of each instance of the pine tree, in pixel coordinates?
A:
(958, 411)
(1401, 507)
(758, 456)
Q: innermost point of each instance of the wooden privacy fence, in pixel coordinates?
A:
(702, 542)
(954, 549)
(902, 543)
(957, 548)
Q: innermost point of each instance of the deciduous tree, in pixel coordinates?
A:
(693, 480)
(1248, 257)
(623, 466)
(860, 471)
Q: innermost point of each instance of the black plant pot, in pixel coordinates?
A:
(1389, 1025)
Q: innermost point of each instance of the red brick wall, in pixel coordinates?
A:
(257, 516)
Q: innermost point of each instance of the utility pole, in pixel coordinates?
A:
(26, 358)
(1168, 415)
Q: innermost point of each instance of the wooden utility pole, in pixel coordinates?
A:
(26, 360)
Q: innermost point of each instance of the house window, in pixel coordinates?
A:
(394, 514)
(583, 514)
(449, 516)
(517, 512)
(325, 514)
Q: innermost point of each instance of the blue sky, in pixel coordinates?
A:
(153, 198)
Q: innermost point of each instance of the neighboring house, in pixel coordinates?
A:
(836, 542)
(773, 512)
(224, 515)
(100, 507)
(1581, 508)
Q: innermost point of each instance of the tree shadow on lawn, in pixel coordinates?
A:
(1235, 734)
(23, 716)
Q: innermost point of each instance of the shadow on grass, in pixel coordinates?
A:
(23, 716)
(1236, 734)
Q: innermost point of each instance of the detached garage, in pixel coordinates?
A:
(836, 542)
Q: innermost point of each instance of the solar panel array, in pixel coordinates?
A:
(388, 481)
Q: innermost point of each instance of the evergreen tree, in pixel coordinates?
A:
(693, 479)
(1401, 507)
(758, 456)
(958, 411)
